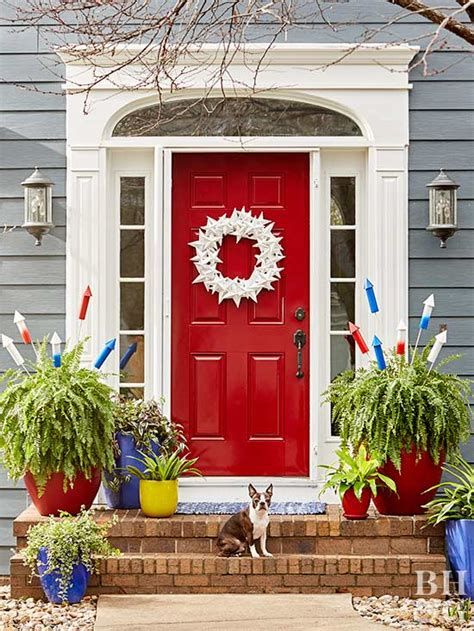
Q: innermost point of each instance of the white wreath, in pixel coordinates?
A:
(243, 225)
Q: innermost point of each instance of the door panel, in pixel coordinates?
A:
(234, 384)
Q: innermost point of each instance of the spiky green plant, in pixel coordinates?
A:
(456, 497)
(358, 471)
(69, 541)
(56, 419)
(403, 405)
(160, 467)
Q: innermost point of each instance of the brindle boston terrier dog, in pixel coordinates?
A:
(247, 527)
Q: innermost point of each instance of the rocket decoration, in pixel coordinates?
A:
(401, 338)
(86, 296)
(15, 354)
(440, 340)
(19, 320)
(56, 349)
(105, 352)
(131, 350)
(358, 339)
(371, 299)
(429, 304)
(378, 350)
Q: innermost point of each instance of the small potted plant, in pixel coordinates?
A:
(56, 431)
(64, 553)
(412, 417)
(139, 426)
(454, 506)
(356, 479)
(158, 477)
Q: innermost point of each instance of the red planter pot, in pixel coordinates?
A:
(413, 479)
(54, 499)
(353, 507)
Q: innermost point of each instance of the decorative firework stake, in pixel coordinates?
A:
(358, 339)
(86, 296)
(401, 338)
(131, 350)
(429, 304)
(371, 298)
(55, 342)
(105, 352)
(378, 350)
(9, 345)
(20, 322)
(440, 339)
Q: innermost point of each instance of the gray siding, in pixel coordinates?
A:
(33, 132)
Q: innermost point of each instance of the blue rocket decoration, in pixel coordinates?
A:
(429, 304)
(378, 350)
(105, 352)
(372, 300)
(131, 350)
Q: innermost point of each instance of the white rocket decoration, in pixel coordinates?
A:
(243, 225)
(440, 339)
(15, 354)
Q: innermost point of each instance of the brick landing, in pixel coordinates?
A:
(313, 554)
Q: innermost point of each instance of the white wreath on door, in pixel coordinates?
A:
(243, 225)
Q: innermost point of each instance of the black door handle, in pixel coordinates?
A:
(299, 340)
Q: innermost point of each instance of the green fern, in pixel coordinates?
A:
(391, 409)
(56, 419)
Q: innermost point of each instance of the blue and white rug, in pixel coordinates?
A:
(229, 508)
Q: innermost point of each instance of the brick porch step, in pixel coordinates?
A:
(363, 575)
(309, 534)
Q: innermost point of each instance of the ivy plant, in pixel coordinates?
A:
(56, 419)
(68, 541)
(456, 494)
(406, 404)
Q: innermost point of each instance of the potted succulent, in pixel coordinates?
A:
(356, 479)
(64, 553)
(454, 506)
(412, 417)
(56, 430)
(158, 477)
(139, 426)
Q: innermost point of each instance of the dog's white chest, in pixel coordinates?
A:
(259, 526)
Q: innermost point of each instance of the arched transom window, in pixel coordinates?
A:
(236, 117)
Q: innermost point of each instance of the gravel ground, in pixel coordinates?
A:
(395, 612)
(410, 615)
(31, 615)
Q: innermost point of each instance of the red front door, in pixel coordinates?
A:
(234, 384)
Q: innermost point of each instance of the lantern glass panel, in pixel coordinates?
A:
(442, 207)
(38, 204)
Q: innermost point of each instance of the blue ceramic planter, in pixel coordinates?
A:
(129, 494)
(460, 551)
(50, 582)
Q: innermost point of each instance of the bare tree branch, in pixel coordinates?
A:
(469, 8)
(438, 17)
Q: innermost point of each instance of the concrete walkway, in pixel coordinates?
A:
(245, 612)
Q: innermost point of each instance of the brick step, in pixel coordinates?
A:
(362, 575)
(299, 534)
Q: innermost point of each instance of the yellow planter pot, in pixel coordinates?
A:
(159, 499)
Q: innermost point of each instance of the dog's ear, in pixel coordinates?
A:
(252, 490)
(269, 491)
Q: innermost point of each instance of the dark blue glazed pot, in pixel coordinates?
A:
(129, 494)
(50, 582)
(460, 551)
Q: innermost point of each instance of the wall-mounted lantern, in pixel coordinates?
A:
(443, 207)
(38, 205)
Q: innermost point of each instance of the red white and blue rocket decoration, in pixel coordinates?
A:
(401, 338)
(424, 323)
(440, 340)
(105, 352)
(371, 298)
(55, 342)
(378, 351)
(358, 338)
(86, 296)
(20, 322)
(131, 350)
